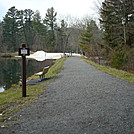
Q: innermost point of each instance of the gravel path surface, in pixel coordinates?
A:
(82, 100)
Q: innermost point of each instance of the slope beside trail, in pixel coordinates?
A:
(82, 100)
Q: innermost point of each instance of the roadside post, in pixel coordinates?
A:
(24, 51)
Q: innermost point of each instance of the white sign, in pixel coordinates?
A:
(24, 51)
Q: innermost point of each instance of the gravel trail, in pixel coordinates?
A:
(82, 100)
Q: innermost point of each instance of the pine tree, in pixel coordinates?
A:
(117, 19)
(62, 37)
(50, 21)
(10, 29)
(40, 31)
(86, 39)
(1, 32)
(28, 28)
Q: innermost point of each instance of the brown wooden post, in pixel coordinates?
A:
(23, 51)
(23, 76)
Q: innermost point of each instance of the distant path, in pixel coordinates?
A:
(82, 100)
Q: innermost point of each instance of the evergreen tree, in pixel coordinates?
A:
(1, 32)
(86, 39)
(50, 21)
(116, 19)
(21, 25)
(40, 31)
(62, 37)
(10, 29)
(28, 28)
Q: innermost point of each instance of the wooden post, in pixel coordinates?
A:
(23, 76)
(23, 51)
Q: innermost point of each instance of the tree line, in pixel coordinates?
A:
(27, 26)
(117, 26)
(112, 40)
(117, 21)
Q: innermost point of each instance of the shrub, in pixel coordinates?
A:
(119, 59)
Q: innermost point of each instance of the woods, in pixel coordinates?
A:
(111, 41)
(116, 45)
(117, 22)
(28, 27)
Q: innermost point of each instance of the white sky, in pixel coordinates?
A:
(75, 8)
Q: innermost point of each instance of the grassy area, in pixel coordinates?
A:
(11, 100)
(8, 54)
(118, 73)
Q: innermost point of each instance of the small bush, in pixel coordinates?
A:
(119, 59)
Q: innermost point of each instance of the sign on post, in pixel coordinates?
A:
(23, 51)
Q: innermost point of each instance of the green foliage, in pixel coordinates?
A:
(119, 59)
(117, 19)
(50, 18)
(40, 31)
(28, 27)
(90, 37)
(86, 38)
(25, 26)
(62, 35)
(17, 28)
(50, 21)
(117, 22)
(10, 29)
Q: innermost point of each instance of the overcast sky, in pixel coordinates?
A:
(75, 8)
